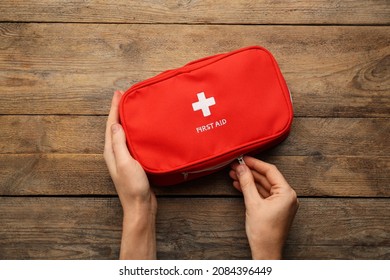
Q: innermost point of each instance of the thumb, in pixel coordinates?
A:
(121, 152)
(247, 183)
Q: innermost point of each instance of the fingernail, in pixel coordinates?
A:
(240, 170)
(115, 127)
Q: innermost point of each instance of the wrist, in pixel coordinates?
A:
(134, 206)
(139, 217)
(265, 253)
(139, 233)
(138, 236)
(263, 250)
(137, 209)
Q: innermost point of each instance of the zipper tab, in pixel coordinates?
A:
(185, 175)
(241, 159)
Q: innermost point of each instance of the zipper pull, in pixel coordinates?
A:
(185, 175)
(241, 159)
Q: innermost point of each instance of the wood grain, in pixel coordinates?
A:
(204, 11)
(188, 228)
(332, 71)
(85, 135)
(86, 174)
(60, 62)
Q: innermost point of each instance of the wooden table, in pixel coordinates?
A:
(60, 63)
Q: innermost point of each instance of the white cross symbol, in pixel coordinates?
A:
(203, 104)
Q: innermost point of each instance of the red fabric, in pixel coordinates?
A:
(247, 108)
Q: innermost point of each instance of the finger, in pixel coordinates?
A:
(237, 186)
(121, 152)
(233, 175)
(262, 180)
(270, 171)
(260, 188)
(262, 191)
(247, 184)
(112, 118)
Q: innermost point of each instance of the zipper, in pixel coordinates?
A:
(241, 159)
(193, 65)
(215, 167)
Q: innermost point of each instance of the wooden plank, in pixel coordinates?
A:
(327, 136)
(74, 68)
(54, 174)
(205, 11)
(189, 228)
(330, 253)
(85, 134)
(86, 174)
(52, 134)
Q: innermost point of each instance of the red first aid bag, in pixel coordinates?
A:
(194, 120)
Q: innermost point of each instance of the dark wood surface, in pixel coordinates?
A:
(61, 61)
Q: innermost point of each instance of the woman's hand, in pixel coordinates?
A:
(270, 205)
(138, 201)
